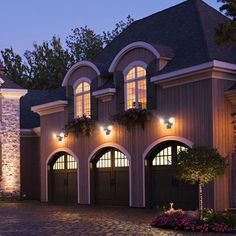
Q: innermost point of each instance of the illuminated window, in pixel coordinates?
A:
(71, 162)
(112, 159)
(82, 100)
(135, 88)
(121, 160)
(163, 158)
(60, 163)
(104, 161)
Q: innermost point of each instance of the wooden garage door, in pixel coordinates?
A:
(63, 179)
(165, 187)
(111, 179)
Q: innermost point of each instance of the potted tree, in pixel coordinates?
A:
(200, 165)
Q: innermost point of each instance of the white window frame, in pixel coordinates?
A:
(125, 72)
(79, 81)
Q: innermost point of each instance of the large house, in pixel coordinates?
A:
(168, 63)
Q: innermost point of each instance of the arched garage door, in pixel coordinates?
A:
(164, 188)
(62, 178)
(111, 178)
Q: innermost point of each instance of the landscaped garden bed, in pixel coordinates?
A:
(217, 222)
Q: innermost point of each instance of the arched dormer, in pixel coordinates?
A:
(76, 67)
(130, 47)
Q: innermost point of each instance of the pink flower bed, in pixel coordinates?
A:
(180, 220)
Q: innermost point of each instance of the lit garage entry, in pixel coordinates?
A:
(110, 178)
(163, 187)
(62, 179)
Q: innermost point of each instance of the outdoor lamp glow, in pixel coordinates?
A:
(168, 122)
(107, 129)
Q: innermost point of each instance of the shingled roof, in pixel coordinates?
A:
(29, 119)
(188, 29)
(9, 84)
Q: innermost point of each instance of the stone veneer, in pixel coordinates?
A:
(10, 146)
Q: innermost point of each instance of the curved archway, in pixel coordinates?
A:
(128, 48)
(161, 185)
(76, 66)
(62, 176)
(112, 162)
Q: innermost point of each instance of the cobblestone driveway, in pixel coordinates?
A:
(44, 219)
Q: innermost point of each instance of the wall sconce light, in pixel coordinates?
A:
(107, 129)
(168, 122)
(60, 136)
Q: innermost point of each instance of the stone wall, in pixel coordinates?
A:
(10, 147)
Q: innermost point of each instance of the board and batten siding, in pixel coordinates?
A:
(223, 141)
(30, 167)
(190, 104)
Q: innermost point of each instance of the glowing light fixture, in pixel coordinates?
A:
(168, 122)
(107, 129)
(60, 136)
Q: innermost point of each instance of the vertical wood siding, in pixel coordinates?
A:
(191, 106)
(222, 140)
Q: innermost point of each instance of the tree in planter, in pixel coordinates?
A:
(200, 165)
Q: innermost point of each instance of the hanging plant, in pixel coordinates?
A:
(83, 125)
(132, 117)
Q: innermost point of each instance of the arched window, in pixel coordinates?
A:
(135, 88)
(164, 156)
(82, 100)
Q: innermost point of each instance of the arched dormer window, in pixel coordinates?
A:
(82, 99)
(135, 88)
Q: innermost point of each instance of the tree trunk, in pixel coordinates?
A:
(200, 200)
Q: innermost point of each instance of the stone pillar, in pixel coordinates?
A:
(10, 147)
(234, 160)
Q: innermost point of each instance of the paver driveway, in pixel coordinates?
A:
(43, 219)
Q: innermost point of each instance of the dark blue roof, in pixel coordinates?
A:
(187, 28)
(29, 119)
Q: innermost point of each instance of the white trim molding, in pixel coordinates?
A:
(37, 130)
(105, 95)
(138, 44)
(27, 133)
(67, 150)
(151, 146)
(13, 93)
(215, 65)
(80, 80)
(133, 64)
(49, 108)
(76, 66)
(123, 150)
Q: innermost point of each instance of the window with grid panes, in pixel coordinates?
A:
(71, 163)
(163, 158)
(60, 163)
(82, 100)
(135, 88)
(121, 160)
(104, 161)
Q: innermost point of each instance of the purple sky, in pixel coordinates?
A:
(27, 21)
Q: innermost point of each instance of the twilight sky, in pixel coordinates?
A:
(26, 21)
